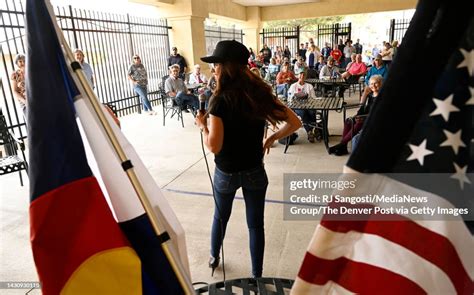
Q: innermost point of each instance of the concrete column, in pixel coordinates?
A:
(188, 36)
(186, 17)
(252, 28)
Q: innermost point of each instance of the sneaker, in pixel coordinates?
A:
(311, 136)
(317, 134)
(153, 113)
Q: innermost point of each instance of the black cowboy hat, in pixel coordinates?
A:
(228, 51)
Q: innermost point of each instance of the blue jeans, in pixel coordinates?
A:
(254, 184)
(355, 140)
(141, 91)
(308, 117)
(283, 89)
(185, 100)
(208, 94)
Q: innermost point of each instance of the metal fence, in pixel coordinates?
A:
(108, 42)
(11, 39)
(332, 33)
(281, 37)
(398, 28)
(291, 36)
(215, 34)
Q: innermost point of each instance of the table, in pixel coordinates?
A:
(330, 81)
(194, 86)
(335, 82)
(324, 105)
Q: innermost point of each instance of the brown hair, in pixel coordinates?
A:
(247, 94)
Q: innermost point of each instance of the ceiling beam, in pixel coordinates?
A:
(153, 2)
(333, 7)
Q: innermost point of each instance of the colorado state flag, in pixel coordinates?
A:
(78, 247)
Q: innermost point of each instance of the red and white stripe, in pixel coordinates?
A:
(405, 256)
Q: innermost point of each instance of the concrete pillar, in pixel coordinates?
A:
(252, 27)
(188, 36)
(186, 17)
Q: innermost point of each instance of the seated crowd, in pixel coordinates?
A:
(343, 61)
(288, 75)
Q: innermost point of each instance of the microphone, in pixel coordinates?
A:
(202, 103)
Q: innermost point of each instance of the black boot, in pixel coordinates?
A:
(213, 264)
(333, 149)
(341, 150)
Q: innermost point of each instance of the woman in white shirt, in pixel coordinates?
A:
(196, 77)
(387, 54)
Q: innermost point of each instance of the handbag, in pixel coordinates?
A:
(300, 96)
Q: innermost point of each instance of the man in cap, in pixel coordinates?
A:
(176, 58)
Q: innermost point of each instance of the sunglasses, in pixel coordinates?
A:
(136, 57)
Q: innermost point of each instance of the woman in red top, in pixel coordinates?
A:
(284, 79)
(336, 54)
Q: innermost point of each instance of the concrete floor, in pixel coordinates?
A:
(174, 157)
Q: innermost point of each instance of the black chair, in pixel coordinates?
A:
(169, 104)
(10, 162)
(346, 106)
(356, 81)
(312, 74)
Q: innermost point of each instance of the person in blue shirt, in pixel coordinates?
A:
(379, 68)
(326, 51)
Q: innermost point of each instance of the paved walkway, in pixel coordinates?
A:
(174, 157)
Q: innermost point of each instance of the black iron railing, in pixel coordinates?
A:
(215, 34)
(108, 42)
(398, 27)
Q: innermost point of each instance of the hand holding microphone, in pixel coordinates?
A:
(202, 103)
(201, 120)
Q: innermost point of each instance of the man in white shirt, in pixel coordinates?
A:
(308, 117)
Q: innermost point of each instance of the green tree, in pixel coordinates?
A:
(306, 24)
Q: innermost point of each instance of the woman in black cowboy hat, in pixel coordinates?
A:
(233, 129)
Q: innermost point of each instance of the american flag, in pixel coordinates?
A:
(423, 122)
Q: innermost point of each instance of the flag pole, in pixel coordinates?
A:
(159, 229)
